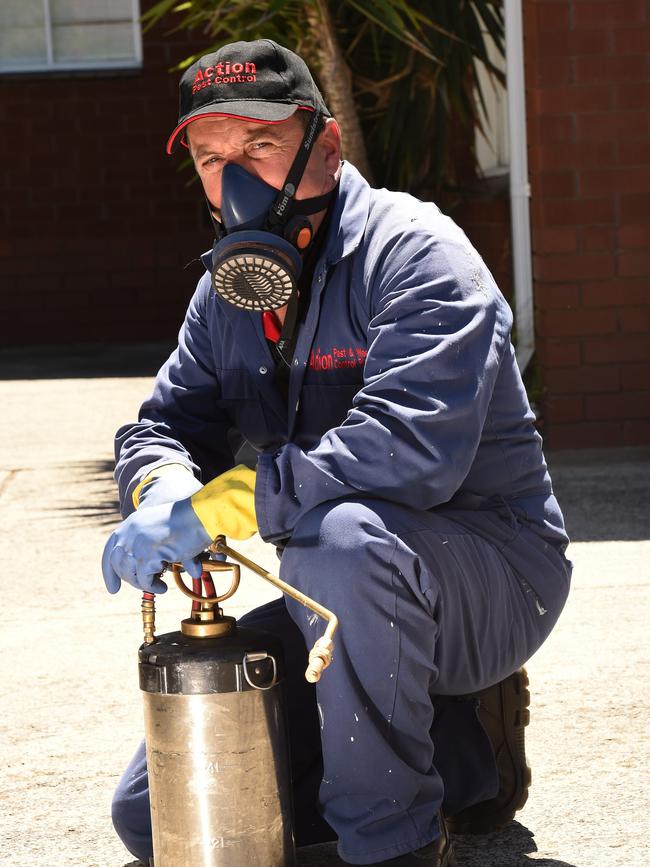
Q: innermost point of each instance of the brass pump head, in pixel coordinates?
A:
(208, 620)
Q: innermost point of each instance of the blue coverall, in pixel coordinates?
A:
(407, 484)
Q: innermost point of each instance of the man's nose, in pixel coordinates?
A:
(243, 160)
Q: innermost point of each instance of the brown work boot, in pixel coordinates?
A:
(503, 710)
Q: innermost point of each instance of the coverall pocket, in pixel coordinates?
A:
(324, 406)
(242, 402)
(237, 384)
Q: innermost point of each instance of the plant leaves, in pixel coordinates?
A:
(413, 65)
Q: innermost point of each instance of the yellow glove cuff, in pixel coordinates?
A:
(226, 505)
(162, 470)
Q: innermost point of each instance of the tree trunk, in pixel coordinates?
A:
(336, 81)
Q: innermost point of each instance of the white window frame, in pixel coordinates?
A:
(51, 65)
(492, 150)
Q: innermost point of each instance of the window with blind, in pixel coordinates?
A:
(54, 35)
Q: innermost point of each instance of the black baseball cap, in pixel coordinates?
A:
(257, 80)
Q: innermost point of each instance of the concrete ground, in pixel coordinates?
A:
(71, 709)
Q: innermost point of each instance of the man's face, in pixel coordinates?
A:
(266, 150)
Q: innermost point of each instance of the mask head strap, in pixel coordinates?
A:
(219, 230)
(281, 207)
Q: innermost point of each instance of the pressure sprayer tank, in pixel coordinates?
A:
(217, 756)
(215, 732)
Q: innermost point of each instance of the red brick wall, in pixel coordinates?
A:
(97, 224)
(588, 81)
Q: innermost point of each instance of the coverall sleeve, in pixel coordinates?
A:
(181, 422)
(438, 330)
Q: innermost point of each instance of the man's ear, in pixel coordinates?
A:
(329, 142)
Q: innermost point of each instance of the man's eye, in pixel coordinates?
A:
(260, 145)
(212, 161)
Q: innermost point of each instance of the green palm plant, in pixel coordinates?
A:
(398, 75)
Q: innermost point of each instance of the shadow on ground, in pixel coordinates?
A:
(83, 361)
(508, 848)
(604, 493)
(102, 508)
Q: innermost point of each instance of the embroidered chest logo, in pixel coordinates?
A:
(337, 358)
(224, 73)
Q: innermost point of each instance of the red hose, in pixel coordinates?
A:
(208, 584)
(203, 586)
(196, 588)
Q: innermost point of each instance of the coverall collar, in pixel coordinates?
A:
(349, 215)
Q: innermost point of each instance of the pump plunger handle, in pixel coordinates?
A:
(208, 566)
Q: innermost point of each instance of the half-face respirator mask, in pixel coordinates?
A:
(263, 231)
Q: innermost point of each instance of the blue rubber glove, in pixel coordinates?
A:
(165, 484)
(149, 539)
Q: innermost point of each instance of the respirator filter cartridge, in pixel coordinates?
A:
(254, 270)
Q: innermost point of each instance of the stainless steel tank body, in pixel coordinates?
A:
(217, 751)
